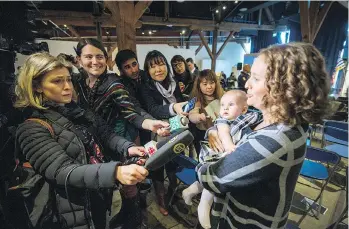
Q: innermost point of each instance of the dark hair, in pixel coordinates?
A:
(90, 41)
(209, 75)
(179, 58)
(156, 57)
(66, 57)
(190, 60)
(123, 56)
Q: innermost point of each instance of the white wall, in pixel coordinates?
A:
(67, 47)
(230, 56)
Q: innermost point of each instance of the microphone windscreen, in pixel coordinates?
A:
(168, 150)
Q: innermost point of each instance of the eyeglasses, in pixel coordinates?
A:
(178, 65)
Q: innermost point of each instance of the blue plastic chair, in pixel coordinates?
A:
(336, 124)
(186, 174)
(291, 226)
(313, 168)
(329, 136)
(339, 138)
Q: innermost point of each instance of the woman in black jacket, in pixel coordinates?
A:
(182, 74)
(163, 100)
(72, 159)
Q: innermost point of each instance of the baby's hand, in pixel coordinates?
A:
(202, 117)
(229, 149)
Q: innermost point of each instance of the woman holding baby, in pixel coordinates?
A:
(253, 186)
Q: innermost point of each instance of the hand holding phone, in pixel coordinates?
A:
(190, 105)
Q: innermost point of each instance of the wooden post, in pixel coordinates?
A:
(167, 10)
(305, 24)
(205, 44)
(313, 14)
(224, 44)
(111, 62)
(125, 15)
(188, 39)
(320, 19)
(214, 54)
(214, 50)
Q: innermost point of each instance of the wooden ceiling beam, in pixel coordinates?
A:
(87, 19)
(73, 31)
(140, 7)
(198, 49)
(260, 6)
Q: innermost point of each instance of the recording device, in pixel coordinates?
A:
(190, 105)
(168, 149)
(177, 123)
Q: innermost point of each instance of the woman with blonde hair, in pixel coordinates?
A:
(254, 186)
(206, 89)
(64, 145)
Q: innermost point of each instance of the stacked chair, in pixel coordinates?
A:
(321, 163)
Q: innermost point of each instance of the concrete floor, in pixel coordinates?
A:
(333, 199)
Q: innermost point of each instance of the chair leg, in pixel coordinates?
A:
(172, 195)
(341, 217)
(320, 200)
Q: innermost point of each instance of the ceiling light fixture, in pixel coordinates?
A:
(224, 7)
(150, 32)
(169, 25)
(217, 11)
(183, 31)
(236, 2)
(243, 9)
(65, 26)
(142, 33)
(154, 31)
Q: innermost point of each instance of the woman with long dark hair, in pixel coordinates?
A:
(206, 89)
(163, 100)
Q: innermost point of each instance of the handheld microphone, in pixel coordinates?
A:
(168, 149)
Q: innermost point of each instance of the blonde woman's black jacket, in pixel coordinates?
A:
(54, 157)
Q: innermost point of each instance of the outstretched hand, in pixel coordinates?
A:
(130, 174)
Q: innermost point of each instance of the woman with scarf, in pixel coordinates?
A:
(163, 100)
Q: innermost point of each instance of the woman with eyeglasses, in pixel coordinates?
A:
(182, 74)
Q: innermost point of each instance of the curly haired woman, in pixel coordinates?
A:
(253, 186)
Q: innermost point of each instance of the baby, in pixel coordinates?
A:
(233, 104)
